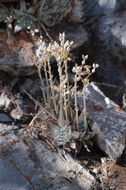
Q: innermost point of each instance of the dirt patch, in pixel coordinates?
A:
(111, 175)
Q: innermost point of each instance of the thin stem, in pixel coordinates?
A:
(47, 84)
(75, 98)
(66, 96)
(61, 117)
(42, 84)
(51, 85)
(85, 113)
(66, 107)
(66, 73)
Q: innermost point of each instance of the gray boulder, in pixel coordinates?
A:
(31, 164)
(108, 46)
(108, 122)
(21, 61)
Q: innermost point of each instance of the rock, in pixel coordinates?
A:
(31, 86)
(11, 58)
(109, 122)
(108, 47)
(5, 102)
(10, 178)
(6, 128)
(19, 59)
(14, 63)
(4, 118)
(34, 165)
(13, 105)
(66, 185)
(110, 6)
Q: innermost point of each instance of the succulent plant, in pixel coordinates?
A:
(51, 12)
(48, 12)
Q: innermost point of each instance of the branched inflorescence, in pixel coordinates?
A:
(60, 96)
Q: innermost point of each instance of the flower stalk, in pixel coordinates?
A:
(42, 86)
(51, 85)
(75, 97)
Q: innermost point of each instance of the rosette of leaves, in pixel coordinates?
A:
(26, 19)
(28, 14)
(61, 135)
(51, 12)
(25, 15)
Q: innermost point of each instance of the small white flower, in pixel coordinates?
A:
(84, 58)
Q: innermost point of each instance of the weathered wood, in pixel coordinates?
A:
(109, 121)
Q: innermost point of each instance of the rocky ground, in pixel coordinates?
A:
(111, 174)
(28, 159)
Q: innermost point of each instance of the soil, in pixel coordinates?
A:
(116, 176)
(112, 175)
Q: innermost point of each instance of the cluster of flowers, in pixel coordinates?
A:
(60, 97)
